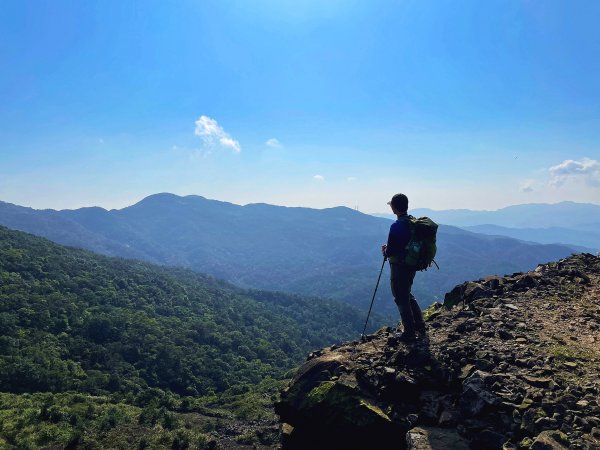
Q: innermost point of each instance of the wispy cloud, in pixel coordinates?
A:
(527, 186)
(351, 179)
(274, 143)
(319, 177)
(213, 134)
(586, 170)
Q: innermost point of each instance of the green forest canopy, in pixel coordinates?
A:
(71, 320)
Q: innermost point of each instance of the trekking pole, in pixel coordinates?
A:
(373, 299)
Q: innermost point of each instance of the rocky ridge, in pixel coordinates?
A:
(508, 363)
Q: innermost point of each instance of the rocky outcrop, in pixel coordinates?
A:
(508, 363)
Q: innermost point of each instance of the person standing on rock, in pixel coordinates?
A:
(402, 276)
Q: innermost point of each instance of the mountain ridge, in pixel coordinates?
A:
(332, 252)
(581, 240)
(568, 214)
(566, 223)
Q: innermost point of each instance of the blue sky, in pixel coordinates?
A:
(304, 103)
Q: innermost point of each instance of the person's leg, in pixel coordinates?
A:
(417, 314)
(415, 309)
(400, 282)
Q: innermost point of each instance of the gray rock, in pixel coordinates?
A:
(485, 365)
(505, 335)
(432, 438)
(476, 397)
(528, 420)
(448, 418)
(582, 423)
(551, 440)
(546, 423)
(538, 381)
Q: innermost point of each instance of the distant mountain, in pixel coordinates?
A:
(58, 227)
(534, 215)
(588, 240)
(330, 252)
(567, 223)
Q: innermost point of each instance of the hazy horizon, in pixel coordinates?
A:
(383, 212)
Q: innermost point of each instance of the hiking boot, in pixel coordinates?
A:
(421, 329)
(407, 337)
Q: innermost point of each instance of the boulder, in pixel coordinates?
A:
(333, 412)
(550, 440)
(466, 293)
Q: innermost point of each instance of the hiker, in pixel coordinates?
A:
(402, 276)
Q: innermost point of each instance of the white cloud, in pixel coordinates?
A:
(231, 143)
(274, 143)
(212, 134)
(527, 186)
(586, 170)
(351, 179)
(319, 177)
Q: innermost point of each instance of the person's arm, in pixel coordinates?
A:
(397, 239)
(390, 249)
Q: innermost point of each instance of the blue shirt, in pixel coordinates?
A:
(398, 237)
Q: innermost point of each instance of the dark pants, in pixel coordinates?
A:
(410, 313)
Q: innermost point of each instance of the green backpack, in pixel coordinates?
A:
(421, 248)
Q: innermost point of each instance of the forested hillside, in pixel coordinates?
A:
(327, 253)
(75, 322)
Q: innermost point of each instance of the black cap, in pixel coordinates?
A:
(399, 202)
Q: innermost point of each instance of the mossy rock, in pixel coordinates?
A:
(310, 374)
(526, 442)
(334, 402)
(432, 311)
